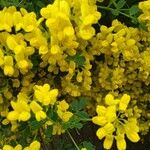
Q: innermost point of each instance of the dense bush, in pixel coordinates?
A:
(69, 62)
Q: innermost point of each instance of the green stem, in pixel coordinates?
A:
(73, 140)
(111, 9)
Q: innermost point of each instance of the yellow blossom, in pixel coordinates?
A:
(44, 95)
(121, 143)
(37, 109)
(21, 111)
(124, 101)
(34, 145)
(108, 141)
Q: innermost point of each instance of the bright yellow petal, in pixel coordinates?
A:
(109, 100)
(11, 42)
(121, 143)
(35, 107)
(18, 147)
(101, 133)
(13, 115)
(35, 145)
(124, 101)
(24, 116)
(8, 147)
(66, 116)
(40, 115)
(111, 113)
(99, 120)
(108, 141)
(101, 110)
(133, 136)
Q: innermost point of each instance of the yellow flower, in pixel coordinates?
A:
(87, 32)
(18, 147)
(62, 111)
(21, 111)
(37, 110)
(66, 116)
(121, 143)
(99, 120)
(131, 130)
(35, 145)
(8, 65)
(35, 107)
(23, 64)
(8, 70)
(111, 113)
(29, 22)
(101, 110)
(57, 129)
(68, 31)
(108, 141)
(44, 95)
(109, 100)
(63, 105)
(8, 147)
(11, 42)
(108, 129)
(40, 115)
(43, 49)
(24, 116)
(55, 49)
(83, 148)
(17, 20)
(124, 101)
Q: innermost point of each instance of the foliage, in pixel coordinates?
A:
(65, 63)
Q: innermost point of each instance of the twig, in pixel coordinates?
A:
(73, 140)
(42, 140)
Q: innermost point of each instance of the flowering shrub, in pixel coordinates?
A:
(60, 66)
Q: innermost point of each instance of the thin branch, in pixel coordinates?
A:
(73, 140)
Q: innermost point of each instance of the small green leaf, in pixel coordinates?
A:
(143, 26)
(115, 12)
(48, 132)
(134, 10)
(78, 105)
(120, 4)
(134, 20)
(78, 59)
(74, 122)
(36, 124)
(87, 145)
(82, 115)
(52, 114)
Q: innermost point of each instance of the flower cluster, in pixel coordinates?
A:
(116, 122)
(62, 111)
(145, 16)
(34, 145)
(50, 60)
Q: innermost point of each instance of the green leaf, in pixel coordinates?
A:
(52, 114)
(78, 105)
(36, 124)
(134, 20)
(87, 145)
(134, 10)
(63, 144)
(74, 122)
(120, 4)
(78, 59)
(82, 115)
(115, 12)
(143, 26)
(48, 132)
